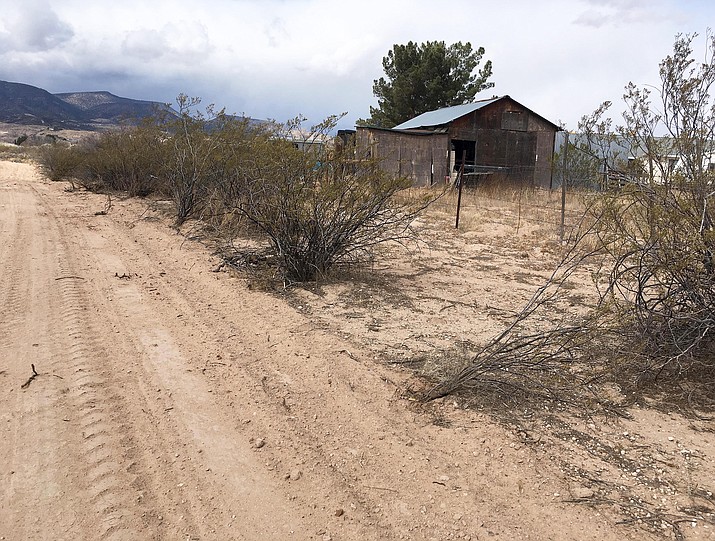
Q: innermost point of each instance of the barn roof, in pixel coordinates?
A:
(448, 114)
(445, 115)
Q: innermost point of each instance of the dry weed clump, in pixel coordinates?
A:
(320, 206)
(649, 330)
(14, 153)
(314, 203)
(529, 362)
(658, 287)
(649, 333)
(60, 160)
(518, 209)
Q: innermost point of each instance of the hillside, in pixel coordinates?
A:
(26, 104)
(103, 106)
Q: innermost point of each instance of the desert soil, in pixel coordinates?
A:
(171, 401)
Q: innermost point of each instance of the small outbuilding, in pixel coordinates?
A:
(496, 140)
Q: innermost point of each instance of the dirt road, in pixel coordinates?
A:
(172, 402)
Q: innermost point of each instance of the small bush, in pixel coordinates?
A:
(130, 160)
(14, 153)
(316, 204)
(60, 161)
(659, 284)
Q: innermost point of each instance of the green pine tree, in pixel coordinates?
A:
(425, 77)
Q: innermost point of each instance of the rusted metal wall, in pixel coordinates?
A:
(544, 152)
(545, 138)
(513, 144)
(511, 138)
(422, 157)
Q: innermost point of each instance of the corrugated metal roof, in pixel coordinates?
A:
(445, 115)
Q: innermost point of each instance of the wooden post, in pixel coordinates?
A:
(563, 188)
(460, 179)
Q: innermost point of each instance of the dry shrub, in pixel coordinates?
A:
(658, 288)
(318, 206)
(60, 160)
(14, 153)
(130, 160)
(532, 362)
(653, 331)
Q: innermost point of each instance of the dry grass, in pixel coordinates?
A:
(509, 207)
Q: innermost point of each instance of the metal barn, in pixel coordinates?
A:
(498, 139)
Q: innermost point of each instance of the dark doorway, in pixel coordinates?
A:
(466, 149)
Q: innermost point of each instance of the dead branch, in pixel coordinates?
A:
(31, 378)
(525, 364)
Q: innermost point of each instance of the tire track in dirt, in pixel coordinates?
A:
(214, 457)
(194, 476)
(62, 483)
(10, 293)
(98, 409)
(27, 472)
(298, 443)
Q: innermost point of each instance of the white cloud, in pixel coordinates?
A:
(145, 44)
(602, 13)
(276, 32)
(33, 26)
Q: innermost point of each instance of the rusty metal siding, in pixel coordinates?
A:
(545, 152)
(513, 152)
(545, 134)
(512, 144)
(467, 127)
(512, 138)
(423, 158)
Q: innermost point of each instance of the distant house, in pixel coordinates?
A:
(618, 161)
(498, 139)
(662, 168)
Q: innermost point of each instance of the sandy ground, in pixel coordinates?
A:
(169, 401)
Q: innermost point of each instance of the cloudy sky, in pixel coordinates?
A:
(279, 58)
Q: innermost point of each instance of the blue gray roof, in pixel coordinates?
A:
(444, 116)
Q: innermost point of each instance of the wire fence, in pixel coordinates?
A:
(558, 204)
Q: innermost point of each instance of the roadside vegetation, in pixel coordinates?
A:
(13, 153)
(310, 204)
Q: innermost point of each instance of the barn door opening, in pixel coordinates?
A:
(464, 148)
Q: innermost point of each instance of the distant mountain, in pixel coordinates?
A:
(103, 106)
(26, 104)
